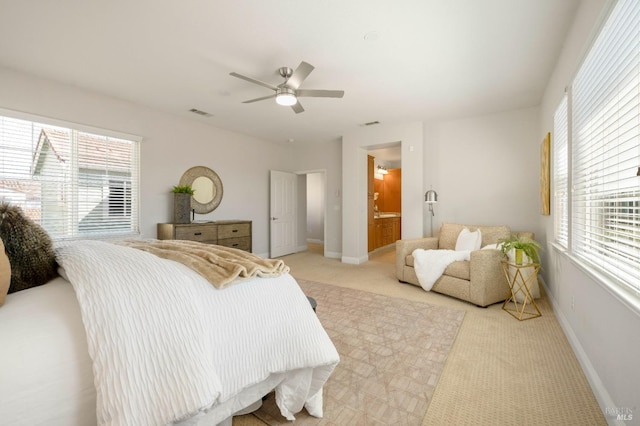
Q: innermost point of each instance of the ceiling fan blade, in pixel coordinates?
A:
(259, 99)
(297, 108)
(253, 80)
(320, 93)
(298, 76)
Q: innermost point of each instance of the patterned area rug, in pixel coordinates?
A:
(392, 353)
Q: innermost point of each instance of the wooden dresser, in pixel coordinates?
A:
(228, 233)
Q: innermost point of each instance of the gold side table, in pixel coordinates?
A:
(521, 305)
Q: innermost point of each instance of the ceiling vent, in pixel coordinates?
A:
(199, 112)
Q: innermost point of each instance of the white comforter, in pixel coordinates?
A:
(430, 264)
(166, 345)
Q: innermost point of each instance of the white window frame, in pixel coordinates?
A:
(604, 203)
(72, 216)
(561, 167)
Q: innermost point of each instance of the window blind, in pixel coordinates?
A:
(72, 182)
(606, 149)
(561, 173)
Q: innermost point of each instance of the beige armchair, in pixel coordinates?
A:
(479, 280)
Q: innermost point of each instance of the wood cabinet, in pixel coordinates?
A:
(389, 191)
(387, 231)
(392, 191)
(228, 233)
(370, 203)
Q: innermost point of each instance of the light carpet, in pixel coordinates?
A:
(500, 371)
(392, 354)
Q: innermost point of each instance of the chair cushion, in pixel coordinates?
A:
(449, 235)
(490, 234)
(456, 269)
(459, 269)
(409, 260)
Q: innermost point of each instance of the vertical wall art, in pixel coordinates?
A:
(545, 190)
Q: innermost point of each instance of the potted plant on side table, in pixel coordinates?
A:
(182, 203)
(522, 251)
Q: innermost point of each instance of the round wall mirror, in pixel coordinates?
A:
(203, 190)
(207, 188)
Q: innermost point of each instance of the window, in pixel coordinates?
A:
(73, 182)
(605, 150)
(561, 173)
(119, 202)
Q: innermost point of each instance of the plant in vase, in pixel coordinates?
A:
(182, 203)
(522, 246)
(522, 251)
(185, 189)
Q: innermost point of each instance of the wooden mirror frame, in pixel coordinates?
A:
(200, 171)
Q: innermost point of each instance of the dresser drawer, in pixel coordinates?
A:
(241, 243)
(233, 230)
(202, 233)
(228, 233)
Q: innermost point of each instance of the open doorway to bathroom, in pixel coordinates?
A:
(384, 200)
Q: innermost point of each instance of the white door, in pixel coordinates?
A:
(283, 213)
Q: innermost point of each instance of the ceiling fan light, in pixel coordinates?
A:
(286, 99)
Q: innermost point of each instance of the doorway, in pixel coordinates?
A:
(314, 212)
(315, 220)
(384, 199)
(298, 212)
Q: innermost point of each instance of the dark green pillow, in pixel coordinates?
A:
(28, 247)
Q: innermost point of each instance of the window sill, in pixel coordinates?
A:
(627, 296)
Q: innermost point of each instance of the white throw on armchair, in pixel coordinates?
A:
(480, 280)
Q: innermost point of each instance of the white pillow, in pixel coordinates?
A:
(468, 240)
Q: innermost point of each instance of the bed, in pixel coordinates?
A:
(125, 337)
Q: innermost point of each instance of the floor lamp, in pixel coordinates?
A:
(431, 197)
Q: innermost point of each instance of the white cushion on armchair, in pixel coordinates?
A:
(469, 241)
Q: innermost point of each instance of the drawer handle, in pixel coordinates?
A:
(235, 230)
(197, 233)
(234, 245)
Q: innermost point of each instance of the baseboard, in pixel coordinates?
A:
(314, 241)
(598, 388)
(332, 254)
(301, 248)
(354, 260)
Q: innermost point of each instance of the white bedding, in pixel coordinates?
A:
(257, 335)
(46, 376)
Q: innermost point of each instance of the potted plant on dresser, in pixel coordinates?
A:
(182, 203)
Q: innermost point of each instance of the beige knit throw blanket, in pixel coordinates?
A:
(221, 266)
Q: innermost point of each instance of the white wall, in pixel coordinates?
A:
(325, 157)
(602, 328)
(354, 183)
(486, 170)
(171, 145)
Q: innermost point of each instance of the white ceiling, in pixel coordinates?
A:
(423, 59)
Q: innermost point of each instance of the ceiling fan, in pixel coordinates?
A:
(287, 93)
